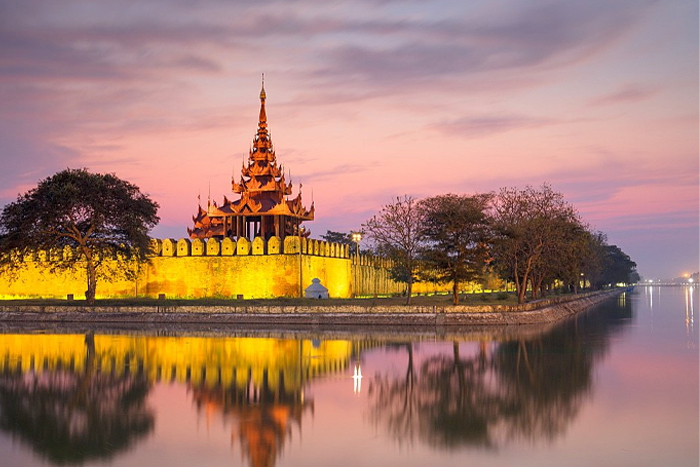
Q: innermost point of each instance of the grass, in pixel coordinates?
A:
(494, 298)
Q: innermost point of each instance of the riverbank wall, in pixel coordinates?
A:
(539, 312)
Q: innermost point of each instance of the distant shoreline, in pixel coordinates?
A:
(281, 316)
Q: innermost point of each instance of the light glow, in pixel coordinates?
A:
(357, 379)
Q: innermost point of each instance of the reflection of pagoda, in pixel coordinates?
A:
(262, 418)
(264, 208)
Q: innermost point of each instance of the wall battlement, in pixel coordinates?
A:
(170, 247)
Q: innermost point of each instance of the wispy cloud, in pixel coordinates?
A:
(476, 127)
(626, 94)
(552, 35)
(332, 172)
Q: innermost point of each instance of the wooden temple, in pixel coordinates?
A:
(265, 208)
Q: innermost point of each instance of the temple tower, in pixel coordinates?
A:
(264, 208)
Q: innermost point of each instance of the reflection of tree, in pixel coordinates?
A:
(72, 416)
(262, 418)
(396, 397)
(526, 388)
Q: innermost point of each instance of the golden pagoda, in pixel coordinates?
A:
(264, 208)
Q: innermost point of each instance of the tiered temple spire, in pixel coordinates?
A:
(264, 208)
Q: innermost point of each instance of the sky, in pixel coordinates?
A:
(368, 100)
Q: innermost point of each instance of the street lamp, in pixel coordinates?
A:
(356, 237)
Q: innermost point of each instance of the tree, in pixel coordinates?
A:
(563, 252)
(94, 218)
(456, 231)
(527, 224)
(576, 256)
(617, 267)
(341, 238)
(396, 234)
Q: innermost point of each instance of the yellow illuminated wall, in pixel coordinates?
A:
(194, 269)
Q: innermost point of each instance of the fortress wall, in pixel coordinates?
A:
(36, 281)
(192, 269)
(195, 268)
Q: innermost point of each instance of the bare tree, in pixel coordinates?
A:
(395, 231)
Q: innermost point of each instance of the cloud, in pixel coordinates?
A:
(553, 35)
(333, 172)
(476, 127)
(626, 94)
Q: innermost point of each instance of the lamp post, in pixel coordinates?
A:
(356, 237)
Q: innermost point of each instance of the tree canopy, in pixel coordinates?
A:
(530, 237)
(532, 226)
(82, 218)
(455, 231)
(342, 238)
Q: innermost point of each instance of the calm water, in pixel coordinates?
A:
(617, 386)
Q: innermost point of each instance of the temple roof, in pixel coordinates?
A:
(262, 186)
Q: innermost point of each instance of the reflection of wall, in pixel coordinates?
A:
(257, 269)
(246, 363)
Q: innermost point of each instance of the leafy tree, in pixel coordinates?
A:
(527, 224)
(592, 263)
(341, 238)
(396, 234)
(617, 267)
(456, 231)
(577, 256)
(563, 253)
(91, 217)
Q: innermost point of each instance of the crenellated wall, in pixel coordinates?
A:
(197, 268)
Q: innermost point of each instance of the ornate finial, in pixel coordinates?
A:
(262, 122)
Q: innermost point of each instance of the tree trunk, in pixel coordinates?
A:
(409, 290)
(455, 291)
(523, 288)
(91, 281)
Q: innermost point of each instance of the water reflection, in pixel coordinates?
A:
(262, 419)
(70, 412)
(78, 397)
(690, 316)
(265, 400)
(73, 398)
(528, 388)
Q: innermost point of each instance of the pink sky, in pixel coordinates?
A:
(368, 100)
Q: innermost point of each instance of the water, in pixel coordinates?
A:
(616, 386)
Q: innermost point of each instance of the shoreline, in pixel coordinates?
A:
(280, 317)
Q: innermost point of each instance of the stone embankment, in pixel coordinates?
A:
(540, 312)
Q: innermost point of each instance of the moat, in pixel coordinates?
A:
(614, 385)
